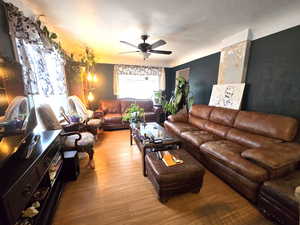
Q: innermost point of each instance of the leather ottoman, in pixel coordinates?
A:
(277, 199)
(181, 178)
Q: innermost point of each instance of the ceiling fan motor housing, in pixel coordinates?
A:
(144, 47)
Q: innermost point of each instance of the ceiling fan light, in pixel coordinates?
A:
(146, 55)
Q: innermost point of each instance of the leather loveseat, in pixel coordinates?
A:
(113, 110)
(243, 148)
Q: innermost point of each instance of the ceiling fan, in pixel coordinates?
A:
(145, 48)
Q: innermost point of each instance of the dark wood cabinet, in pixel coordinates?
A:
(20, 179)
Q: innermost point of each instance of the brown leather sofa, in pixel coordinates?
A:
(243, 148)
(113, 110)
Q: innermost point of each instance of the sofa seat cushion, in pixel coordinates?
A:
(112, 118)
(249, 139)
(277, 159)
(229, 154)
(199, 137)
(179, 127)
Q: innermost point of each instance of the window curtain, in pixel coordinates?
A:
(42, 63)
(138, 71)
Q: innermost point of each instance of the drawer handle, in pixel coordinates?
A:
(27, 191)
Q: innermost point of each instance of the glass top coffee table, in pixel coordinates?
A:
(152, 137)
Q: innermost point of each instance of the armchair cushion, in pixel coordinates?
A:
(94, 122)
(87, 140)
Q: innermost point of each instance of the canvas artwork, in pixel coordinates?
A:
(227, 95)
(233, 63)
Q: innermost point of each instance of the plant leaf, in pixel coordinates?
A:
(53, 35)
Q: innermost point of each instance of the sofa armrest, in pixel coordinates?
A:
(179, 117)
(273, 157)
(157, 109)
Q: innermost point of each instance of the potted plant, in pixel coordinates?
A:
(157, 98)
(134, 114)
(180, 98)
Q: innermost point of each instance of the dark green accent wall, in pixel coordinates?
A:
(104, 86)
(6, 48)
(203, 74)
(170, 82)
(273, 78)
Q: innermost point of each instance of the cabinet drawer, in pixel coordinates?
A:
(44, 163)
(20, 194)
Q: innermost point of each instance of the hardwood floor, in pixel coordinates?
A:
(117, 193)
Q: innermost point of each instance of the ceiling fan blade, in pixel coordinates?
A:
(158, 44)
(121, 53)
(161, 52)
(127, 43)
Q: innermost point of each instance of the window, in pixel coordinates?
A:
(137, 81)
(135, 86)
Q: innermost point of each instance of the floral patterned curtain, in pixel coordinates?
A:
(43, 66)
(139, 71)
(22, 27)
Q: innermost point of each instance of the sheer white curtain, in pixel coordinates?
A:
(137, 81)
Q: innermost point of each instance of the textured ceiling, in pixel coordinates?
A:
(192, 28)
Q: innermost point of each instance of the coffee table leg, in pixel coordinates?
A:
(130, 136)
(144, 164)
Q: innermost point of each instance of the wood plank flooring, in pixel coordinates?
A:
(117, 193)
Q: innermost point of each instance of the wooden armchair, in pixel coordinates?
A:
(81, 141)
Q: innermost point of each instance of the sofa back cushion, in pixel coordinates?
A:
(275, 126)
(249, 139)
(223, 116)
(110, 106)
(147, 105)
(202, 111)
(197, 122)
(216, 129)
(125, 104)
